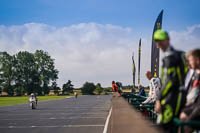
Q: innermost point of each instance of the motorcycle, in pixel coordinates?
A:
(32, 103)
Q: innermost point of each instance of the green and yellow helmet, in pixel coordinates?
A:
(160, 35)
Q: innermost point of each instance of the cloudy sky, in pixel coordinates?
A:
(93, 40)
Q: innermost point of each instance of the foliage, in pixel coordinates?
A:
(67, 87)
(99, 89)
(46, 70)
(6, 71)
(88, 88)
(55, 88)
(27, 72)
(108, 89)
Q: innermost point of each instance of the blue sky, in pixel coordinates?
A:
(137, 14)
(111, 28)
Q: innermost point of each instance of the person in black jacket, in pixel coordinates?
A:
(191, 111)
(173, 72)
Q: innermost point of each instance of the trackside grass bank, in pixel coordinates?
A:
(5, 101)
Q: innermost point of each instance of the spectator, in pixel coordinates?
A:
(173, 73)
(141, 91)
(192, 106)
(119, 86)
(114, 86)
(154, 88)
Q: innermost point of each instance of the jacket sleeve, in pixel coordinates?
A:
(149, 99)
(155, 88)
(195, 111)
(196, 106)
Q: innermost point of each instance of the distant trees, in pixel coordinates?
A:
(7, 72)
(55, 88)
(67, 87)
(27, 72)
(99, 89)
(91, 89)
(88, 88)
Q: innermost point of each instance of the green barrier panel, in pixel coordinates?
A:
(181, 124)
(136, 101)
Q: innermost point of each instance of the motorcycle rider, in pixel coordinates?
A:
(76, 94)
(33, 98)
(174, 69)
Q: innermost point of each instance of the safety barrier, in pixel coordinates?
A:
(181, 124)
(148, 111)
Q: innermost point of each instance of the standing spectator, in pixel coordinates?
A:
(114, 86)
(154, 88)
(173, 72)
(192, 106)
(119, 86)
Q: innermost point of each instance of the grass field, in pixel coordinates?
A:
(5, 101)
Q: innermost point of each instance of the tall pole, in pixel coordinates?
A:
(133, 70)
(139, 58)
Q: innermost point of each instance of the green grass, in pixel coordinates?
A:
(5, 101)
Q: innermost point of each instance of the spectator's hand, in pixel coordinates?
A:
(183, 116)
(157, 107)
(153, 100)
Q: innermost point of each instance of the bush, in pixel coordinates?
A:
(88, 88)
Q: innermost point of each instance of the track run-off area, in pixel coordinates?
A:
(86, 114)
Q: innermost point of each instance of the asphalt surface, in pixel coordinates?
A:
(86, 114)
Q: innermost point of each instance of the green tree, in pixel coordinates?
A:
(6, 73)
(25, 72)
(67, 87)
(0, 90)
(46, 69)
(99, 89)
(55, 88)
(88, 88)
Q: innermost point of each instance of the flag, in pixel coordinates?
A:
(139, 61)
(134, 70)
(155, 53)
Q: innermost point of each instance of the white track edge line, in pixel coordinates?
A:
(107, 121)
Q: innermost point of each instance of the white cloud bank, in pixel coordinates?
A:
(89, 51)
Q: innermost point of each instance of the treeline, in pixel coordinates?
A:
(27, 72)
(90, 88)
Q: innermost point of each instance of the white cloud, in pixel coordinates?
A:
(187, 39)
(89, 51)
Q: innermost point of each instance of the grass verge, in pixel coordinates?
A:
(5, 101)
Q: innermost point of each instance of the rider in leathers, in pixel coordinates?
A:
(174, 69)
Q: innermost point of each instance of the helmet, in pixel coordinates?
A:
(160, 35)
(32, 94)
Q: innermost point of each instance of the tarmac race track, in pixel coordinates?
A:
(86, 114)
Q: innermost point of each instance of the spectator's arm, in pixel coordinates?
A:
(195, 112)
